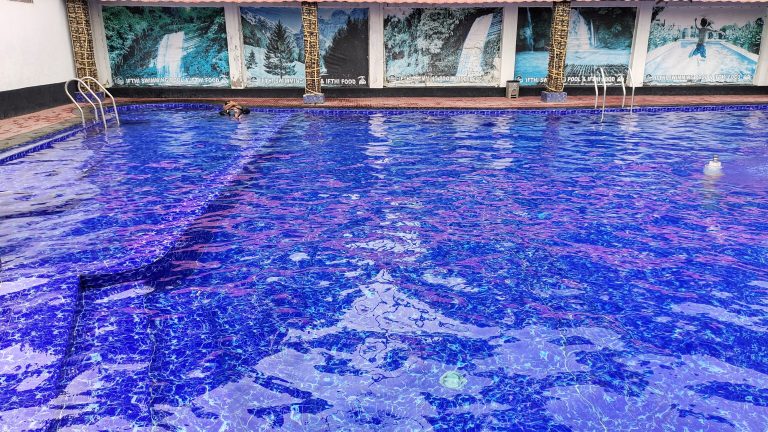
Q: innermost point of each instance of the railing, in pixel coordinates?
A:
(630, 79)
(81, 84)
(605, 92)
(88, 99)
(597, 92)
(107, 93)
(623, 90)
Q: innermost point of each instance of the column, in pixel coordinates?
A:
(761, 72)
(237, 76)
(312, 91)
(376, 65)
(508, 44)
(640, 42)
(100, 51)
(80, 35)
(558, 45)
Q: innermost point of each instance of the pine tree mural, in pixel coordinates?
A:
(349, 42)
(278, 59)
(250, 62)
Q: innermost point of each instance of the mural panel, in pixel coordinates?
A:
(273, 47)
(597, 38)
(531, 52)
(442, 47)
(165, 46)
(693, 46)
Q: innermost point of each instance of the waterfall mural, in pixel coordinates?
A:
(693, 46)
(532, 54)
(598, 38)
(528, 30)
(442, 46)
(187, 46)
(169, 55)
(579, 32)
(154, 46)
(273, 46)
(471, 59)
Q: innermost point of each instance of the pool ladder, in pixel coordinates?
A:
(82, 84)
(629, 81)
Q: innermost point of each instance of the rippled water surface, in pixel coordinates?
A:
(308, 271)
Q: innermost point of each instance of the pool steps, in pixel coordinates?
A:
(82, 84)
(107, 93)
(630, 81)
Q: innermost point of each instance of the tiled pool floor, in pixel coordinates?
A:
(382, 270)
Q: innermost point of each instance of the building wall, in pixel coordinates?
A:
(34, 44)
(485, 45)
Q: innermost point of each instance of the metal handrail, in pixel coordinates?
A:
(605, 92)
(632, 79)
(88, 99)
(82, 114)
(114, 105)
(623, 90)
(101, 106)
(597, 92)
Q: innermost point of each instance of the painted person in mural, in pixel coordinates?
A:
(704, 30)
(703, 45)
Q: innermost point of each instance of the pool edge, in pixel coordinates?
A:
(51, 138)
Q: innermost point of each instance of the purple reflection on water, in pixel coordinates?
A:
(302, 271)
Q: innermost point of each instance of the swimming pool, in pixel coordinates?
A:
(363, 270)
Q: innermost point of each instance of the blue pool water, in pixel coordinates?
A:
(309, 270)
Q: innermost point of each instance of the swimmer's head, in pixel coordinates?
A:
(705, 22)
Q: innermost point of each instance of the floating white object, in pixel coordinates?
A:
(453, 380)
(713, 168)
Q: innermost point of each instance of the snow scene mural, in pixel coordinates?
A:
(273, 46)
(703, 45)
(159, 46)
(597, 38)
(441, 46)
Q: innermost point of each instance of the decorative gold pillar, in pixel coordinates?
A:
(558, 43)
(312, 91)
(82, 39)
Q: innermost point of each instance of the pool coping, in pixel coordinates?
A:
(47, 140)
(452, 111)
(43, 142)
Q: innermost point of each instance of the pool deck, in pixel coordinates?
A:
(18, 130)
